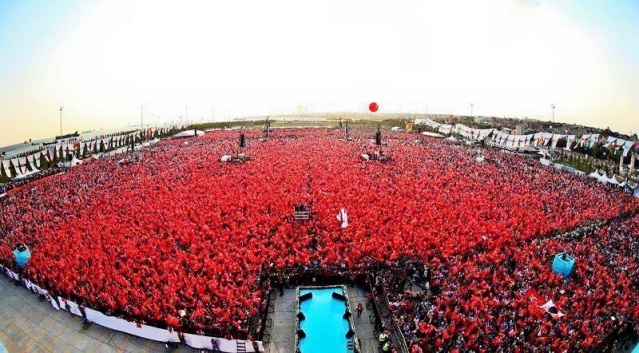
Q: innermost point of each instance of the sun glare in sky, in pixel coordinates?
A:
(102, 60)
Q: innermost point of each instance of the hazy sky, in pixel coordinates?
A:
(102, 59)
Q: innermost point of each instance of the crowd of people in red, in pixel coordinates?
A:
(490, 296)
(181, 239)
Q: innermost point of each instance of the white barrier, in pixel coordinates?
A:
(144, 331)
(37, 290)
(31, 286)
(13, 275)
(132, 328)
(230, 346)
(69, 306)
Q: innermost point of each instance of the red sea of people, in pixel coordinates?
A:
(490, 296)
(180, 239)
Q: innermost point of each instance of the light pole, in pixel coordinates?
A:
(471, 109)
(553, 112)
(61, 107)
(142, 116)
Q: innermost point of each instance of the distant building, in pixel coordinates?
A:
(480, 119)
(519, 129)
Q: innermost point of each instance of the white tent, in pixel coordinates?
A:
(612, 180)
(432, 134)
(189, 133)
(619, 180)
(155, 141)
(603, 178)
(606, 179)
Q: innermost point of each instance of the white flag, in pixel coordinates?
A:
(343, 217)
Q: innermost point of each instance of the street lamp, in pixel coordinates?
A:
(553, 112)
(61, 107)
(471, 109)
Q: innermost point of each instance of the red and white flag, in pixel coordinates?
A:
(551, 309)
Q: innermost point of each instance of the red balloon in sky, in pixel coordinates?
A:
(373, 107)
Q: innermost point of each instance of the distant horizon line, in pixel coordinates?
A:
(327, 116)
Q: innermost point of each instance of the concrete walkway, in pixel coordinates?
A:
(283, 330)
(29, 325)
(363, 326)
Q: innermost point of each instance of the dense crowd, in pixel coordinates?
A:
(17, 183)
(491, 298)
(180, 239)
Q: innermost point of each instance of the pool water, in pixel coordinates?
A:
(324, 325)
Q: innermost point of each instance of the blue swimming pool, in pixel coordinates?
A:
(324, 323)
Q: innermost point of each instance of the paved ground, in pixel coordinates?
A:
(363, 325)
(283, 330)
(29, 325)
